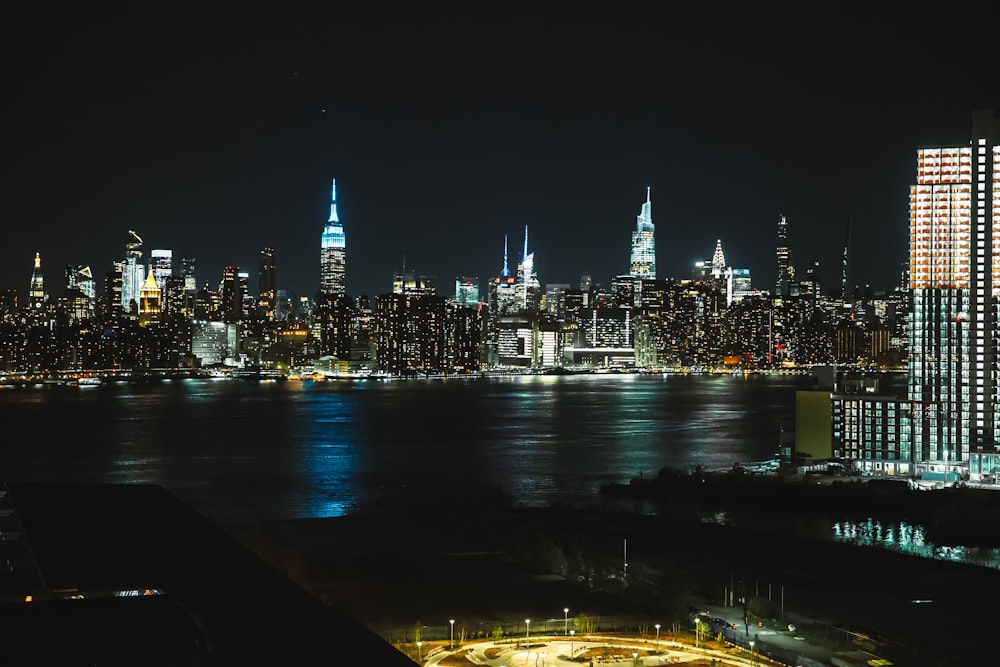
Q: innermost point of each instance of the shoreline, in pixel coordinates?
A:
(392, 569)
(957, 516)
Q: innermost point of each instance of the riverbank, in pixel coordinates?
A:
(399, 570)
(952, 516)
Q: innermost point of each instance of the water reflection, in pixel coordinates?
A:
(908, 538)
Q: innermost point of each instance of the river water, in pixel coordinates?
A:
(246, 451)
(241, 452)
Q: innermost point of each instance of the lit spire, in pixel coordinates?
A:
(506, 271)
(37, 291)
(333, 203)
(719, 259)
(525, 255)
(647, 194)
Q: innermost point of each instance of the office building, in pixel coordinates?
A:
(643, 257)
(162, 263)
(267, 293)
(333, 252)
(231, 295)
(36, 292)
(954, 280)
(187, 270)
(782, 285)
(846, 270)
(149, 300)
(80, 279)
(529, 295)
(467, 292)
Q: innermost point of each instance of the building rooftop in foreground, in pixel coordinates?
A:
(127, 574)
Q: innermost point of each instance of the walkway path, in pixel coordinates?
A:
(590, 650)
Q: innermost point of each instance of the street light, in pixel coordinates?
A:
(452, 621)
(420, 657)
(751, 651)
(696, 622)
(635, 658)
(657, 626)
(565, 620)
(571, 633)
(527, 629)
(543, 658)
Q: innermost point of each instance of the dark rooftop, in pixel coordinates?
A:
(127, 574)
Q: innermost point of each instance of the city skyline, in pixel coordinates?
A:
(218, 136)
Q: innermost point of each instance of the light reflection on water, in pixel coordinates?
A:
(239, 451)
(908, 538)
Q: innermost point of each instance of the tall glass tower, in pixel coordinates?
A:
(955, 282)
(528, 287)
(132, 272)
(267, 286)
(333, 252)
(643, 259)
(162, 263)
(782, 286)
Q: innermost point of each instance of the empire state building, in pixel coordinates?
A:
(333, 252)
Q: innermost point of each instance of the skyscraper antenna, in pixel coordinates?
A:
(525, 255)
(506, 271)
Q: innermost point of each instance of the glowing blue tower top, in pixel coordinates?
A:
(643, 257)
(506, 270)
(333, 252)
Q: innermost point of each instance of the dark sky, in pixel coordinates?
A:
(216, 133)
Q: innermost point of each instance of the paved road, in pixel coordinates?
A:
(782, 644)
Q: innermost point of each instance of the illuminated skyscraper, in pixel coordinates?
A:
(132, 273)
(782, 285)
(162, 263)
(333, 252)
(528, 287)
(955, 281)
(846, 274)
(231, 295)
(503, 289)
(149, 299)
(187, 270)
(466, 292)
(718, 261)
(268, 291)
(36, 293)
(643, 259)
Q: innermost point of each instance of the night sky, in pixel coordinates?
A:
(216, 133)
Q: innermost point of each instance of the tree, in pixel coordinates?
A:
(702, 630)
(498, 633)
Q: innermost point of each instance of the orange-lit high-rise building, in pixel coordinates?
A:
(955, 284)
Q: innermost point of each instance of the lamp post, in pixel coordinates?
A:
(751, 651)
(657, 626)
(635, 658)
(696, 622)
(565, 620)
(420, 656)
(452, 621)
(571, 633)
(527, 630)
(543, 658)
